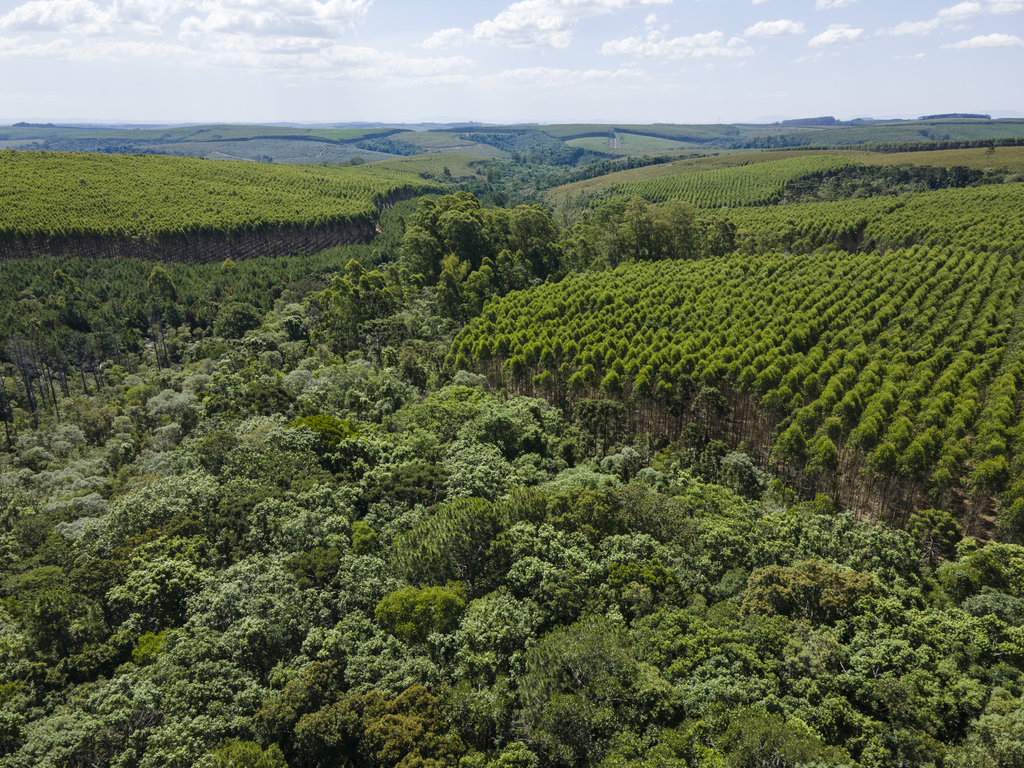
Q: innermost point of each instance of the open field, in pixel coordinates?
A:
(628, 143)
(980, 158)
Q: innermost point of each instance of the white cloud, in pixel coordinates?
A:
(21, 46)
(914, 56)
(960, 11)
(274, 17)
(995, 40)
(261, 17)
(119, 51)
(546, 77)
(547, 23)
(837, 34)
(81, 16)
(308, 57)
(775, 28)
(651, 20)
(398, 69)
(758, 2)
(957, 12)
(445, 38)
(696, 46)
(824, 5)
(911, 28)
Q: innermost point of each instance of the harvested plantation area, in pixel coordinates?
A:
(888, 380)
(183, 209)
(432, 165)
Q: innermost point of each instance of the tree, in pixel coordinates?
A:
(758, 739)
(235, 318)
(450, 298)
(413, 614)
(161, 287)
(247, 754)
(812, 590)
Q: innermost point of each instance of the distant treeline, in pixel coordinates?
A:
(811, 121)
(956, 115)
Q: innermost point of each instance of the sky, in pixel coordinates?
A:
(544, 61)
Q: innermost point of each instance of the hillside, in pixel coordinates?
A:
(1010, 158)
(186, 210)
(882, 377)
(560, 144)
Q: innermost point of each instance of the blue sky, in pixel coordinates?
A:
(680, 61)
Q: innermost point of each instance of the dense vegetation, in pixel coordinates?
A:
(751, 185)
(46, 194)
(614, 484)
(794, 360)
(864, 174)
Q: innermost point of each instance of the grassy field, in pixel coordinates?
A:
(1010, 157)
(592, 143)
(576, 130)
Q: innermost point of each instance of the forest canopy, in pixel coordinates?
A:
(620, 481)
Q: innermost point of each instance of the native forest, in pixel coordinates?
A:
(536, 446)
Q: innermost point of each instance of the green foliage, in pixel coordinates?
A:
(252, 551)
(247, 754)
(937, 532)
(732, 187)
(453, 544)
(759, 740)
(317, 568)
(407, 730)
(330, 430)
(214, 448)
(364, 538)
(834, 372)
(158, 197)
(413, 615)
(811, 590)
(235, 318)
(147, 648)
